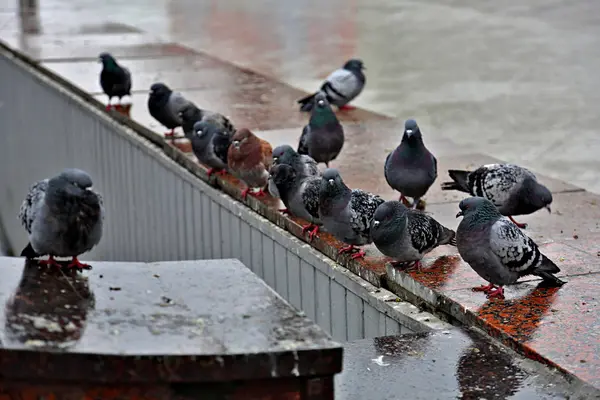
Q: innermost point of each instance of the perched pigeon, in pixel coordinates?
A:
(407, 235)
(497, 249)
(513, 189)
(114, 79)
(340, 87)
(346, 213)
(165, 105)
(302, 164)
(63, 217)
(411, 169)
(250, 158)
(323, 137)
(190, 114)
(210, 145)
(300, 195)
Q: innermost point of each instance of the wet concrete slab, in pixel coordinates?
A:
(136, 317)
(452, 364)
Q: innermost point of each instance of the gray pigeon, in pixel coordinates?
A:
(345, 213)
(407, 235)
(497, 249)
(302, 164)
(63, 217)
(190, 114)
(513, 189)
(411, 169)
(210, 145)
(299, 194)
(323, 137)
(115, 79)
(165, 105)
(341, 86)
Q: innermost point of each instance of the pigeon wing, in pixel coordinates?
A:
(341, 84)
(362, 208)
(515, 250)
(303, 142)
(423, 230)
(176, 104)
(32, 203)
(310, 196)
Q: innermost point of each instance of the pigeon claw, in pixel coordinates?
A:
(75, 263)
(50, 262)
(215, 171)
(285, 211)
(358, 254)
(245, 193)
(109, 107)
(520, 225)
(312, 230)
(347, 249)
(404, 201)
(498, 293)
(260, 193)
(485, 288)
(170, 134)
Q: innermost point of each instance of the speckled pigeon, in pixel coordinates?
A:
(210, 144)
(513, 189)
(323, 137)
(341, 86)
(346, 213)
(190, 114)
(411, 169)
(407, 235)
(300, 195)
(115, 79)
(497, 249)
(165, 105)
(63, 217)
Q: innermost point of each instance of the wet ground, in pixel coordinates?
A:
(512, 81)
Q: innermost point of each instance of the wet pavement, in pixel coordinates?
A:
(453, 364)
(525, 101)
(124, 322)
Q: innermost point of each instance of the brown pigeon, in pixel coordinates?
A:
(249, 159)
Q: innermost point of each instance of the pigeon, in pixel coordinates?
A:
(513, 189)
(63, 217)
(302, 164)
(346, 213)
(190, 114)
(210, 145)
(300, 195)
(323, 137)
(497, 249)
(250, 158)
(115, 80)
(165, 105)
(340, 87)
(411, 169)
(407, 235)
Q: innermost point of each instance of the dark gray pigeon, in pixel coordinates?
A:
(299, 194)
(115, 79)
(411, 169)
(497, 249)
(63, 217)
(407, 235)
(210, 144)
(345, 213)
(190, 114)
(341, 86)
(513, 189)
(323, 137)
(165, 105)
(302, 164)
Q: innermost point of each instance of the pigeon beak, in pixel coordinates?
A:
(548, 208)
(375, 223)
(331, 181)
(236, 144)
(460, 214)
(409, 132)
(275, 159)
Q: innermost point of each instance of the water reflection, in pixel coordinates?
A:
(49, 307)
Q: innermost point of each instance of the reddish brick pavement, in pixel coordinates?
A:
(557, 326)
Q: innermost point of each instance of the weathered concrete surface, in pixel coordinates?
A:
(452, 364)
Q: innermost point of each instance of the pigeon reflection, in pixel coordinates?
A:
(49, 307)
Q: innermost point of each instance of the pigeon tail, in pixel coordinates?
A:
(448, 237)
(546, 270)
(460, 181)
(29, 252)
(306, 103)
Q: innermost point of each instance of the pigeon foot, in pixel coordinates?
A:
(496, 294)
(75, 263)
(520, 225)
(284, 211)
(484, 288)
(359, 254)
(404, 201)
(347, 249)
(215, 171)
(50, 262)
(312, 230)
(245, 193)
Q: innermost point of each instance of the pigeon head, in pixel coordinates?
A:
(282, 174)
(76, 177)
(332, 183)
(354, 65)
(322, 114)
(321, 101)
(412, 133)
(477, 206)
(386, 216)
(536, 196)
(160, 90)
(284, 154)
(245, 141)
(107, 59)
(70, 182)
(205, 129)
